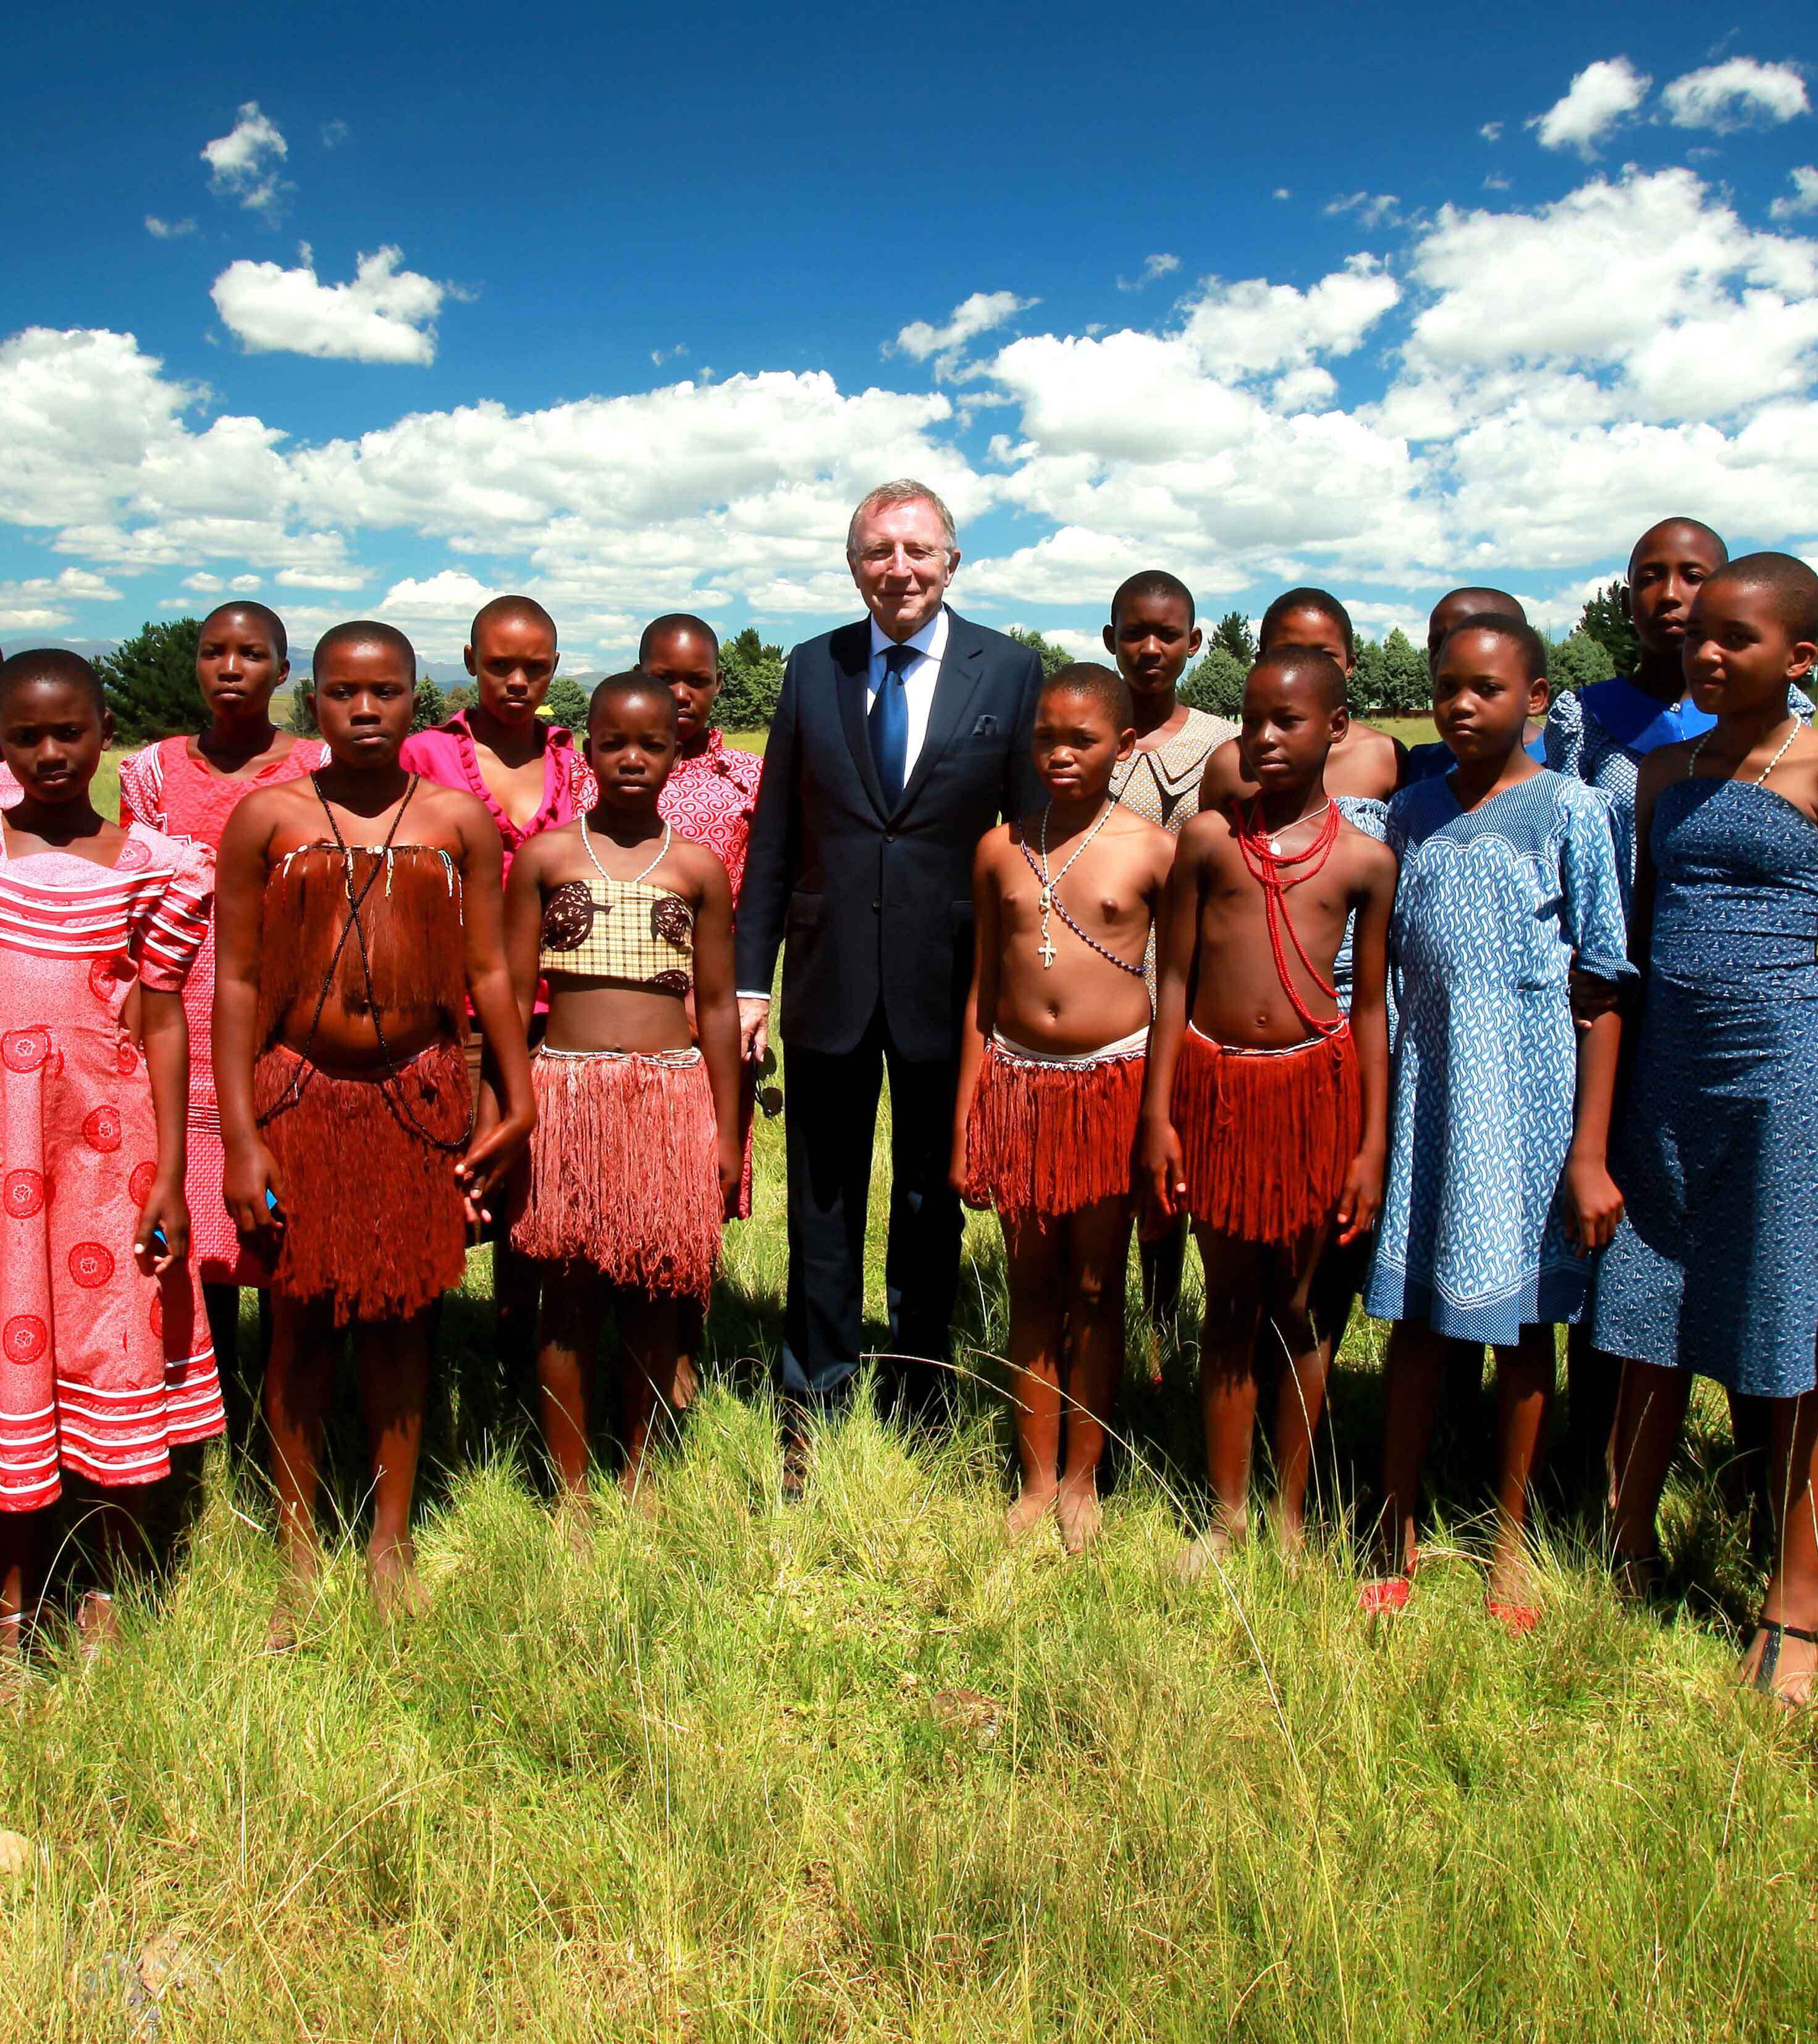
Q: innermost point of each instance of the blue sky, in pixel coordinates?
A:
(386, 310)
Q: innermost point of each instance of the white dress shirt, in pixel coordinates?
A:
(918, 678)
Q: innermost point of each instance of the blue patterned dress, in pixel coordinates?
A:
(1717, 1143)
(1371, 818)
(1602, 733)
(1492, 908)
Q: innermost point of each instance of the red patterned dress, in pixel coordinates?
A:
(102, 1369)
(710, 796)
(167, 790)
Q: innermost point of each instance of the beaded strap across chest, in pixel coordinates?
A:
(628, 931)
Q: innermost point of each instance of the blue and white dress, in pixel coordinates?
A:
(1601, 734)
(1716, 1141)
(1493, 907)
(1370, 817)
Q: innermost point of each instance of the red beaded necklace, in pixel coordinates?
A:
(1274, 872)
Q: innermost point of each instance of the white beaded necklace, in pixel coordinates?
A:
(661, 853)
(1792, 732)
(1050, 885)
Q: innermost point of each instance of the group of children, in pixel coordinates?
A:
(1367, 1019)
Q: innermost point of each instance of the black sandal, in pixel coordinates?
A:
(1769, 1663)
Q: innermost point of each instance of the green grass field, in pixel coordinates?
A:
(850, 1769)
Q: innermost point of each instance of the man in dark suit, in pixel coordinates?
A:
(896, 743)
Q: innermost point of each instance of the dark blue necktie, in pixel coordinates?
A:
(889, 724)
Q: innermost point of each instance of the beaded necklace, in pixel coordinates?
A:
(1051, 902)
(1271, 869)
(1761, 779)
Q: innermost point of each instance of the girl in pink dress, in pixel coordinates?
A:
(107, 1358)
(530, 776)
(188, 788)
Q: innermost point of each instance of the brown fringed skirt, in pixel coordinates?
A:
(372, 1209)
(1049, 1136)
(621, 1174)
(1266, 1136)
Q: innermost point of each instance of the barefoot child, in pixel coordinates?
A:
(188, 788)
(1152, 634)
(1051, 1072)
(1714, 1270)
(530, 776)
(107, 1360)
(1507, 917)
(359, 912)
(636, 1149)
(1265, 1114)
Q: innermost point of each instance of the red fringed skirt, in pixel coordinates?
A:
(621, 1174)
(372, 1209)
(1266, 1136)
(1049, 1136)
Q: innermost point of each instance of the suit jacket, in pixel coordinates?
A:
(873, 908)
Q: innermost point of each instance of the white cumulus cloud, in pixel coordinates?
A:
(1803, 197)
(977, 314)
(1372, 208)
(167, 230)
(1738, 92)
(387, 314)
(1599, 97)
(1154, 268)
(243, 164)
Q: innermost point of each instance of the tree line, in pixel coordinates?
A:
(151, 678)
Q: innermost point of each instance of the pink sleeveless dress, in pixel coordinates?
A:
(164, 788)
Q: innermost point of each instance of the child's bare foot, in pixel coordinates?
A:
(640, 1492)
(1290, 1539)
(1081, 1518)
(1033, 1504)
(577, 1518)
(1211, 1550)
(1782, 1662)
(391, 1572)
(97, 1624)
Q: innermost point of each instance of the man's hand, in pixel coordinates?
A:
(754, 1030)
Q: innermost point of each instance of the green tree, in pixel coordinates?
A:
(1368, 690)
(302, 718)
(567, 703)
(1407, 683)
(1052, 659)
(460, 697)
(1215, 682)
(151, 681)
(429, 707)
(750, 678)
(1579, 659)
(1233, 632)
(1603, 619)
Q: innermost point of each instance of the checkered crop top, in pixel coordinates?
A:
(635, 933)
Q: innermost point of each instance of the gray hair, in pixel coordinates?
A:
(903, 490)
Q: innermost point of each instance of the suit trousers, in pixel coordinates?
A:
(830, 1128)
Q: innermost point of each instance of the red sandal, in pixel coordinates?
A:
(1515, 1618)
(1383, 1595)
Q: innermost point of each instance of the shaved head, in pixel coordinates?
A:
(1321, 600)
(54, 664)
(677, 624)
(1789, 586)
(1668, 531)
(364, 631)
(633, 684)
(503, 607)
(1153, 583)
(1517, 630)
(1105, 685)
(1301, 667)
(261, 613)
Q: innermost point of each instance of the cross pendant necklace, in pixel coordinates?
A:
(1045, 900)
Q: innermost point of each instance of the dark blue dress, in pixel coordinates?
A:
(1716, 1143)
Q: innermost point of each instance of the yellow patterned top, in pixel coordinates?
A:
(641, 935)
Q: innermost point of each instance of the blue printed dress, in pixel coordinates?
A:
(1716, 1143)
(1602, 733)
(1366, 813)
(1493, 907)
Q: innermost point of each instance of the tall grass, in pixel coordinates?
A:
(853, 1769)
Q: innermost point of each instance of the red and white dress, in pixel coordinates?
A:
(167, 790)
(711, 798)
(102, 1369)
